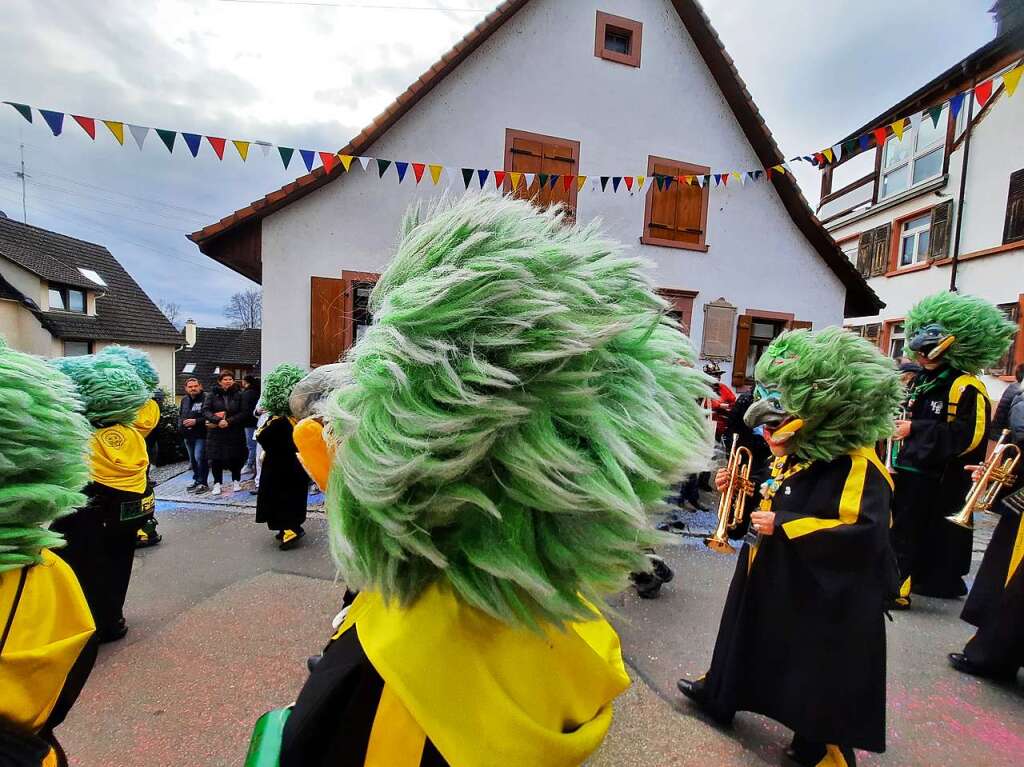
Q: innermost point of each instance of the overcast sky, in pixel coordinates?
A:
(312, 77)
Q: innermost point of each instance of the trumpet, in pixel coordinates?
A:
(731, 505)
(997, 471)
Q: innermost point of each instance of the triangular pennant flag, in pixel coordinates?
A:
(718, 179)
(829, 154)
(192, 141)
(242, 147)
(467, 176)
(818, 160)
(401, 168)
(23, 109)
(308, 156)
(752, 175)
(1011, 78)
(139, 133)
(604, 183)
(328, 159)
(365, 162)
(660, 181)
(382, 166)
(483, 174)
(167, 136)
(543, 179)
(955, 104)
(865, 141)
(88, 125)
(983, 92)
(499, 178)
(554, 180)
(528, 180)
(767, 174)
(880, 135)
(264, 146)
(703, 181)
(616, 180)
(218, 147)
(837, 151)
(781, 168)
(346, 161)
(417, 169)
(567, 182)
(286, 153)
(117, 129)
(742, 177)
(629, 183)
(54, 119)
(580, 182)
(915, 121)
(737, 176)
(516, 178)
(935, 113)
(725, 179)
(435, 173)
(640, 181)
(897, 129)
(850, 146)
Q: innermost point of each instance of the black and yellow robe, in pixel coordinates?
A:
(802, 636)
(949, 413)
(284, 485)
(441, 683)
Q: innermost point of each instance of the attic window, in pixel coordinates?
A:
(618, 39)
(190, 367)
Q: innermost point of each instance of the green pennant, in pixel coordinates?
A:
(543, 179)
(23, 109)
(467, 176)
(167, 136)
(935, 113)
(661, 183)
(382, 166)
(286, 153)
(849, 147)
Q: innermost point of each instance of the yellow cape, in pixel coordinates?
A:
(486, 693)
(119, 459)
(147, 418)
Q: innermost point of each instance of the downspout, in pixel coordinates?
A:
(963, 186)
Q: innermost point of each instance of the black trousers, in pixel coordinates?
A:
(234, 465)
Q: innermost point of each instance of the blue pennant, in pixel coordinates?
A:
(483, 174)
(307, 157)
(955, 104)
(616, 180)
(192, 141)
(401, 167)
(54, 119)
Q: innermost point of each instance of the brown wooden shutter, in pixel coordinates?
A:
(881, 250)
(531, 155)
(865, 248)
(739, 362)
(941, 225)
(326, 332)
(798, 325)
(1013, 229)
(872, 332)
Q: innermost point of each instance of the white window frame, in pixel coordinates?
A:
(914, 234)
(896, 352)
(917, 153)
(190, 367)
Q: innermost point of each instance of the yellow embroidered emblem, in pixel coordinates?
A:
(112, 439)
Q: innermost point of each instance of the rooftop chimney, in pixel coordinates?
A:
(1008, 15)
(190, 333)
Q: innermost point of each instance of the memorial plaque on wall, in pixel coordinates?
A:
(719, 322)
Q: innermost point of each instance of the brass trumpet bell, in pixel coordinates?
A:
(731, 505)
(999, 470)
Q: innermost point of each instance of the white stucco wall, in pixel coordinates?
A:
(670, 107)
(161, 354)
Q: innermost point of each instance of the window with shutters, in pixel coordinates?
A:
(1006, 365)
(549, 166)
(755, 330)
(618, 39)
(873, 251)
(676, 213)
(913, 245)
(893, 338)
(1013, 229)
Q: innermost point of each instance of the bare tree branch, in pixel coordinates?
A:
(172, 311)
(245, 309)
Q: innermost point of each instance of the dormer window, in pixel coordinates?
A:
(618, 39)
(65, 299)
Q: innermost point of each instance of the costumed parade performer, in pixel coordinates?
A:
(502, 431)
(101, 536)
(284, 485)
(952, 337)
(46, 630)
(802, 636)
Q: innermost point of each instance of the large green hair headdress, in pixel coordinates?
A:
(108, 386)
(845, 391)
(519, 404)
(277, 387)
(980, 333)
(43, 455)
(139, 360)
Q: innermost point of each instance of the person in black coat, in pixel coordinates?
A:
(284, 484)
(225, 416)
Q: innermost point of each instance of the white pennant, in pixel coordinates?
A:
(265, 146)
(743, 179)
(139, 133)
(700, 181)
(837, 152)
(528, 179)
(365, 162)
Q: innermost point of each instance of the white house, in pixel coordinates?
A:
(588, 87)
(943, 206)
(60, 296)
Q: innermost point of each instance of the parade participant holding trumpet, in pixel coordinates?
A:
(953, 337)
(802, 637)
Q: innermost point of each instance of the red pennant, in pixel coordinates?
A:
(819, 159)
(328, 159)
(567, 182)
(218, 145)
(725, 179)
(417, 170)
(88, 125)
(983, 93)
(499, 179)
(767, 174)
(629, 183)
(880, 136)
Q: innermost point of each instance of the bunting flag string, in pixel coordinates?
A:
(983, 93)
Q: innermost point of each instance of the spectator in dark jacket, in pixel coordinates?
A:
(251, 398)
(999, 418)
(225, 415)
(193, 428)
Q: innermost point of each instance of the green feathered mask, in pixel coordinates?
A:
(277, 388)
(845, 391)
(139, 360)
(43, 455)
(981, 334)
(519, 405)
(109, 387)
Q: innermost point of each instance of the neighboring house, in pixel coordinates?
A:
(587, 87)
(898, 221)
(60, 297)
(216, 351)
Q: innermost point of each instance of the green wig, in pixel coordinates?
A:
(140, 361)
(983, 334)
(109, 387)
(43, 455)
(520, 403)
(846, 392)
(277, 388)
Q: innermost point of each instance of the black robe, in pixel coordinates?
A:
(931, 482)
(284, 484)
(802, 637)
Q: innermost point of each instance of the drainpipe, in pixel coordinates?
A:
(963, 185)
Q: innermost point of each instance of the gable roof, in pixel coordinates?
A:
(236, 251)
(215, 347)
(123, 310)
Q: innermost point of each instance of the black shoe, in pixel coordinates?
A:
(312, 661)
(672, 524)
(647, 585)
(694, 690)
(192, 487)
(202, 489)
(290, 538)
(147, 535)
(961, 662)
(113, 633)
(661, 570)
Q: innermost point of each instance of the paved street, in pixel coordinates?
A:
(222, 621)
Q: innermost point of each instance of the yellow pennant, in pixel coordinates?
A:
(640, 181)
(117, 129)
(828, 154)
(435, 173)
(737, 175)
(1011, 78)
(242, 147)
(516, 178)
(897, 128)
(688, 180)
(346, 160)
(780, 169)
(580, 182)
